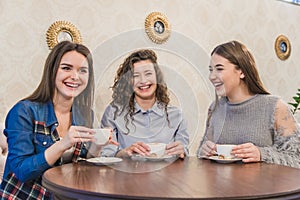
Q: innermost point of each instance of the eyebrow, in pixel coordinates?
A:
(72, 65)
(219, 65)
(66, 64)
(148, 70)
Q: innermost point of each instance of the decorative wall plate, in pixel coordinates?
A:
(282, 47)
(157, 27)
(60, 31)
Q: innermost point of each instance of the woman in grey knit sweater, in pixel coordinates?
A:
(244, 113)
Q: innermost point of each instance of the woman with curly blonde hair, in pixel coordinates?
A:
(140, 112)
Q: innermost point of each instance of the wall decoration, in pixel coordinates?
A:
(157, 27)
(295, 2)
(282, 47)
(60, 31)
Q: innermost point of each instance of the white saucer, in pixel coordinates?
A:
(138, 157)
(104, 160)
(217, 159)
(165, 157)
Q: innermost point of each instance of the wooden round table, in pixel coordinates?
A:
(191, 178)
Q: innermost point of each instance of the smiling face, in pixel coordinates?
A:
(226, 79)
(144, 80)
(72, 76)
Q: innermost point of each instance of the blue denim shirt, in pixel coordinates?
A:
(30, 128)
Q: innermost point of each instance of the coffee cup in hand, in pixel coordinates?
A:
(224, 150)
(157, 149)
(102, 135)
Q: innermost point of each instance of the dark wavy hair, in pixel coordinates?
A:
(46, 88)
(123, 93)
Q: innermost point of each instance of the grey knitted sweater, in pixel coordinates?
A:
(253, 121)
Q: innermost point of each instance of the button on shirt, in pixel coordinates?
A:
(148, 126)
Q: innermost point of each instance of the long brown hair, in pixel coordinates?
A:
(238, 54)
(123, 93)
(46, 88)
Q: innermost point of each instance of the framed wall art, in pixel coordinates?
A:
(295, 2)
(282, 47)
(157, 27)
(60, 31)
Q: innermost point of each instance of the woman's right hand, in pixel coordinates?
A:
(208, 149)
(77, 134)
(138, 147)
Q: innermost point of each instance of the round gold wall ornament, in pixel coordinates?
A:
(157, 27)
(61, 31)
(282, 47)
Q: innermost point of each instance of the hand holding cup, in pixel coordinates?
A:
(224, 151)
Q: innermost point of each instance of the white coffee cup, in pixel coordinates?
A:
(225, 150)
(157, 149)
(102, 135)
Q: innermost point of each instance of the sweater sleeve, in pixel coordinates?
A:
(285, 151)
(286, 147)
(208, 136)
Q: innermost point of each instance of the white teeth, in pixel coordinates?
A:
(72, 85)
(144, 87)
(217, 84)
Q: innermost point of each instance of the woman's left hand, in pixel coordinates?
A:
(110, 140)
(175, 148)
(247, 151)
